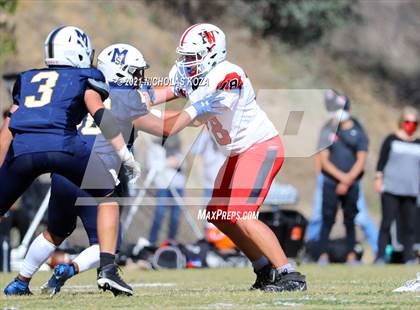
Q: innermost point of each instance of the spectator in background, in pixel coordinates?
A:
(398, 180)
(212, 159)
(172, 177)
(343, 159)
(362, 219)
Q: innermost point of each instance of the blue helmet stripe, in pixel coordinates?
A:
(50, 41)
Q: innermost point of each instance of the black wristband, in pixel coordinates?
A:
(8, 114)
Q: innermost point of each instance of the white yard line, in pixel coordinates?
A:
(287, 304)
(221, 305)
(133, 285)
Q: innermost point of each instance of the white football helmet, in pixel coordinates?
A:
(122, 64)
(68, 46)
(201, 47)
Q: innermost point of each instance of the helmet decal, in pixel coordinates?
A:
(83, 37)
(208, 37)
(119, 56)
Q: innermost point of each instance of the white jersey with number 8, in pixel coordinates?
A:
(242, 123)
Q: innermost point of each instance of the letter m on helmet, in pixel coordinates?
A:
(83, 37)
(119, 57)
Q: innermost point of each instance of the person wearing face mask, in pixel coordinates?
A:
(343, 154)
(398, 180)
(334, 101)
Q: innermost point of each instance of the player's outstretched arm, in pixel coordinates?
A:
(159, 94)
(177, 121)
(157, 126)
(6, 136)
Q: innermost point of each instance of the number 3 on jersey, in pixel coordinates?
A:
(220, 134)
(46, 89)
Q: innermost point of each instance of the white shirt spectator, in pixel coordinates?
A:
(211, 155)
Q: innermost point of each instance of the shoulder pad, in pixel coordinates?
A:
(35, 70)
(226, 76)
(230, 81)
(93, 73)
(99, 86)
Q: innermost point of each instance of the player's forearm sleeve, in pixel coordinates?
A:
(106, 122)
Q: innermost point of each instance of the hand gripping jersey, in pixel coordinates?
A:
(243, 123)
(51, 105)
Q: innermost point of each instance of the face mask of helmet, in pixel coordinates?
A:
(190, 65)
(137, 73)
(92, 56)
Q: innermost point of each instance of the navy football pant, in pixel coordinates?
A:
(62, 212)
(18, 173)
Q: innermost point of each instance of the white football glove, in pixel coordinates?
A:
(131, 164)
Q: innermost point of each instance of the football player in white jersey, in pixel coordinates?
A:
(249, 139)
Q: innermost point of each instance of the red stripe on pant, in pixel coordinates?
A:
(244, 180)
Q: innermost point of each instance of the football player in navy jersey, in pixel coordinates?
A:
(123, 66)
(40, 134)
(62, 220)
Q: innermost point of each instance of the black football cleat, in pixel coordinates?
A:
(265, 276)
(286, 282)
(109, 280)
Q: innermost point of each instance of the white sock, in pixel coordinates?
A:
(88, 258)
(260, 263)
(39, 251)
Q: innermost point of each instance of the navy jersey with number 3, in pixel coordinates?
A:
(51, 105)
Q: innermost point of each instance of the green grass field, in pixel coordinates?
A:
(332, 287)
